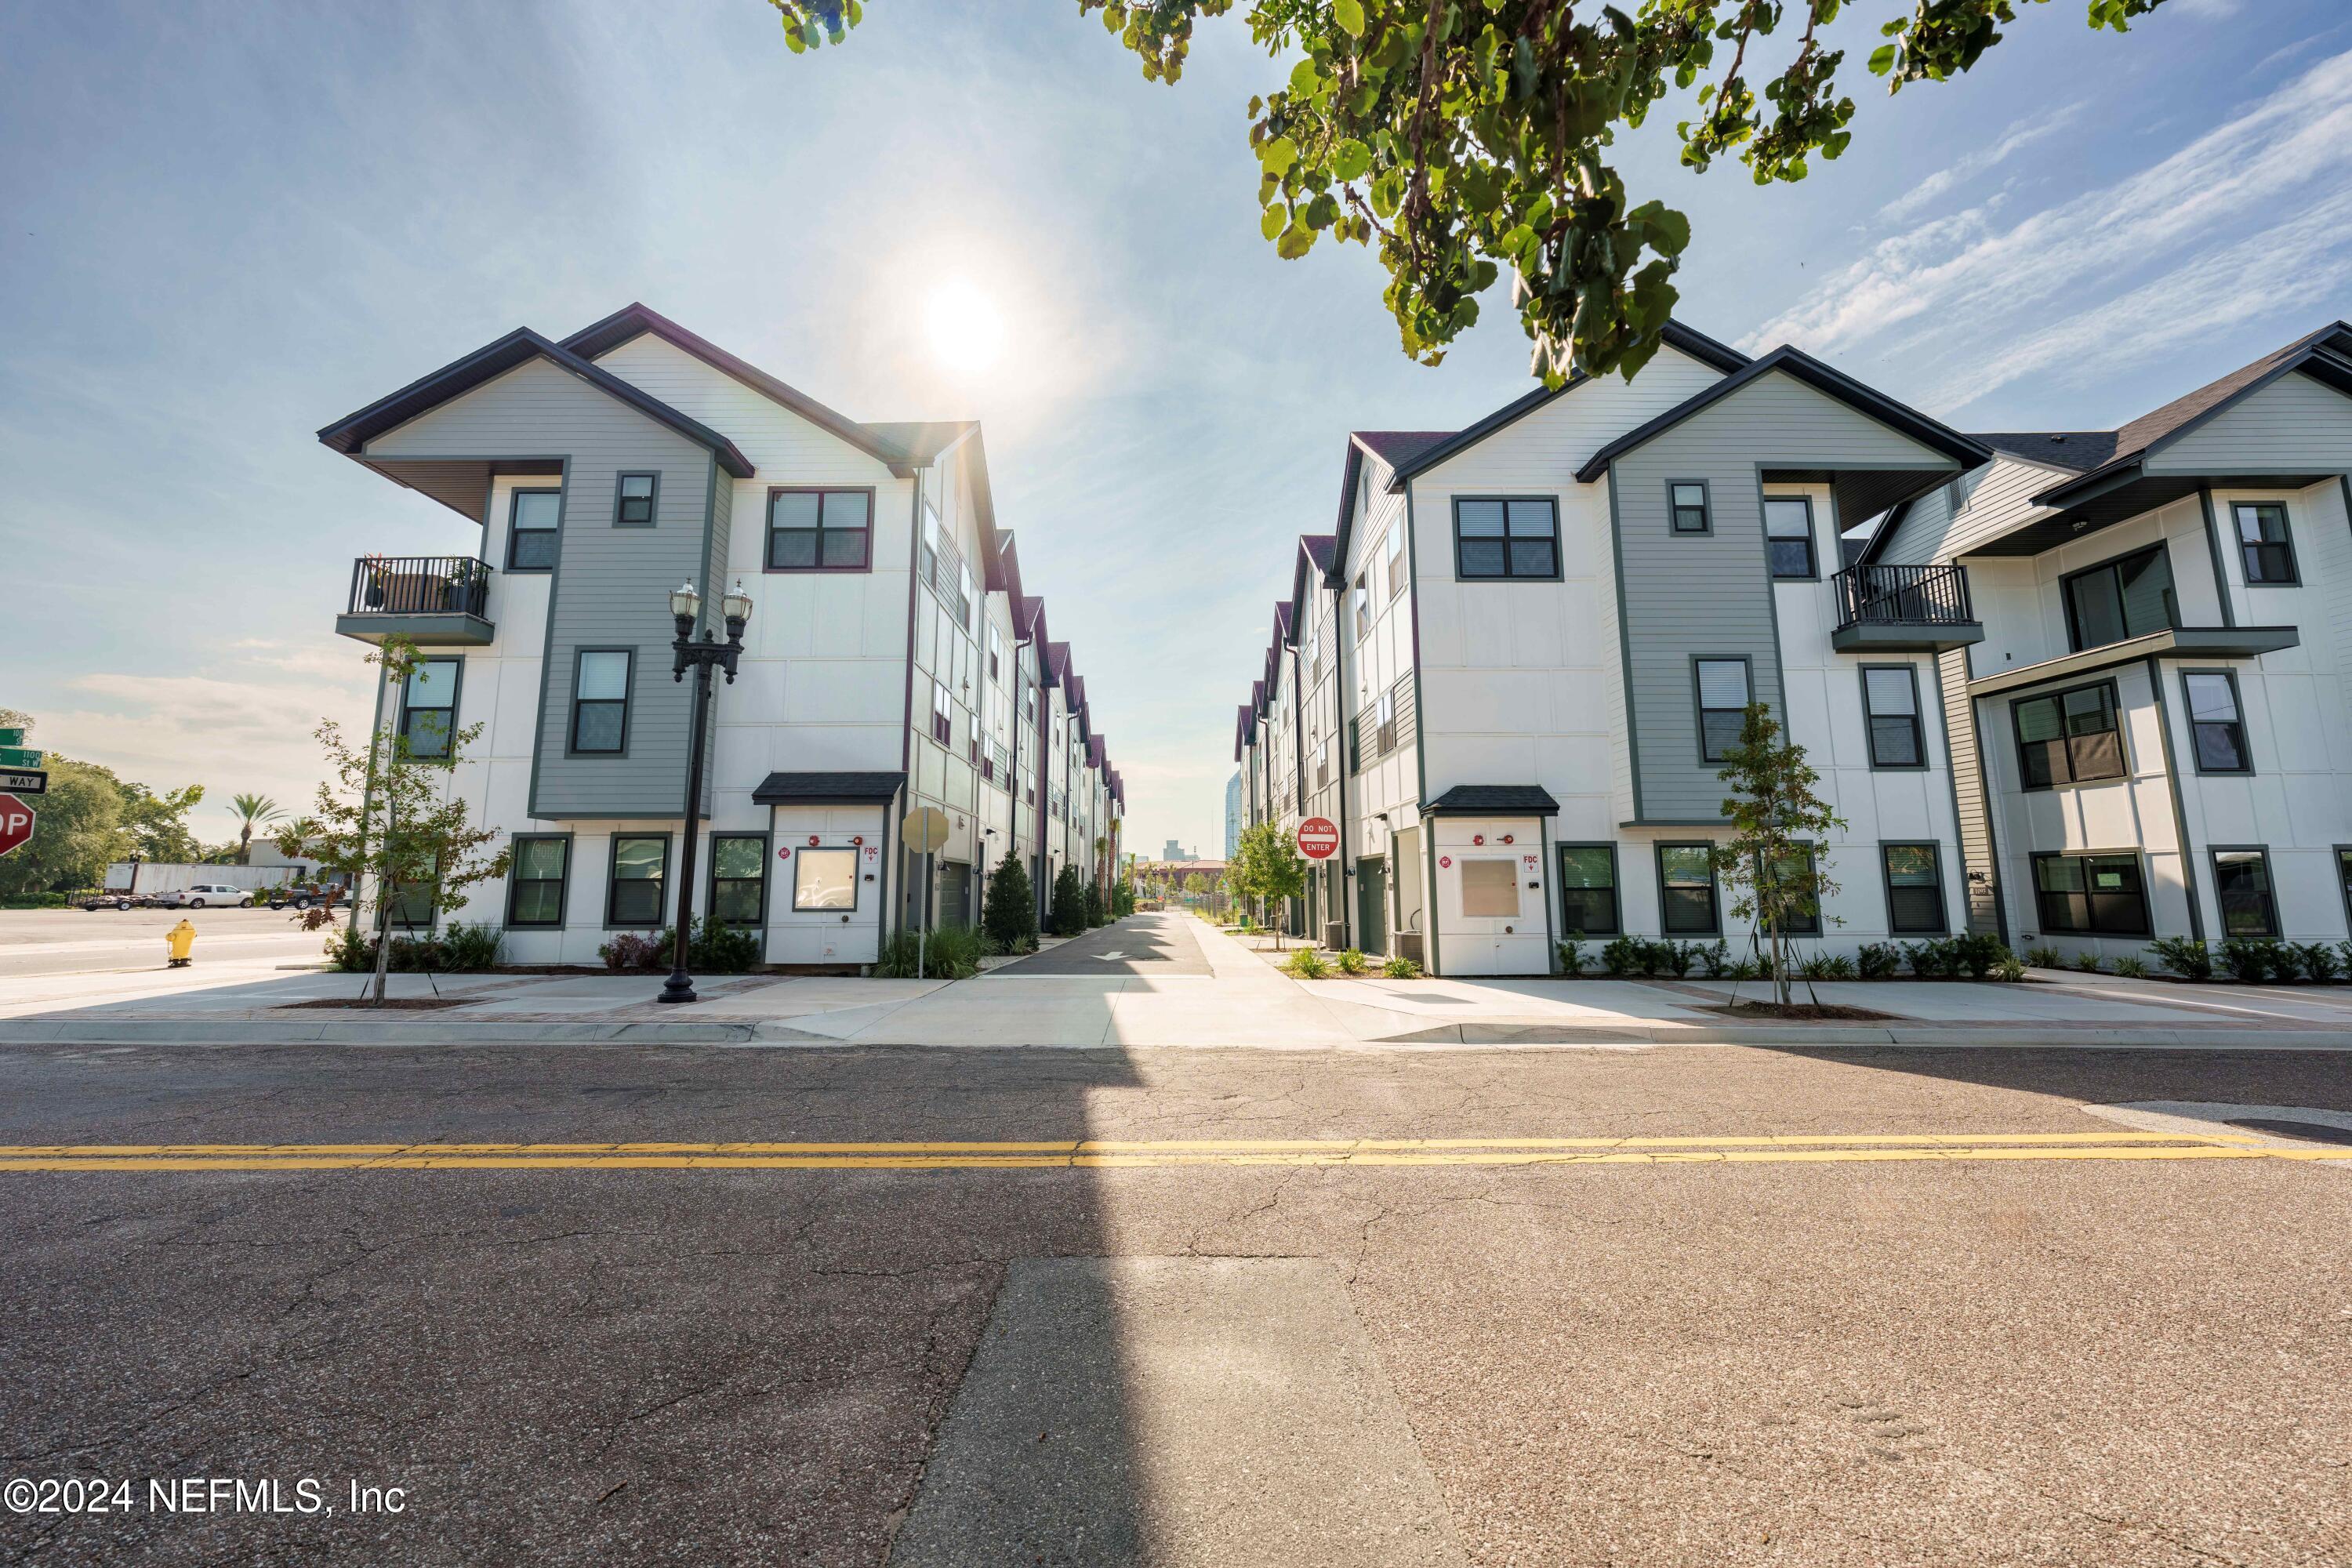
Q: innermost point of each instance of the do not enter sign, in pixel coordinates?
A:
(1317, 839)
(15, 824)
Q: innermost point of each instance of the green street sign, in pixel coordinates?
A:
(15, 756)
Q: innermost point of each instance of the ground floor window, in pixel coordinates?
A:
(2091, 895)
(1587, 889)
(535, 889)
(739, 878)
(1914, 888)
(640, 866)
(1686, 890)
(1803, 918)
(2241, 880)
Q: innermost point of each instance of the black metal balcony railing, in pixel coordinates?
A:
(419, 585)
(1904, 595)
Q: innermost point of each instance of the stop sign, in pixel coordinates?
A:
(15, 824)
(1317, 839)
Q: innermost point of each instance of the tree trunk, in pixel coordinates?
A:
(245, 845)
(383, 908)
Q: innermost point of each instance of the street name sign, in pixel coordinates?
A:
(1318, 838)
(15, 824)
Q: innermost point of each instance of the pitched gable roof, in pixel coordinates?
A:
(2080, 450)
(350, 434)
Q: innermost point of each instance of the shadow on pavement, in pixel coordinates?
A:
(2097, 1076)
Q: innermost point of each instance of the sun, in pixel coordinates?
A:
(967, 331)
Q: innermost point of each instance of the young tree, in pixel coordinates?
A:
(390, 821)
(1460, 140)
(1267, 868)
(1097, 914)
(1011, 917)
(1770, 866)
(252, 811)
(1069, 904)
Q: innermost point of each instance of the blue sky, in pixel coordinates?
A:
(227, 225)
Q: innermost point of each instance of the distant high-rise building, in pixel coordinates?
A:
(1232, 815)
(1174, 852)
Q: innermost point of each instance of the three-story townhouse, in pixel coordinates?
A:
(2153, 737)
(883, 665)
(1551, 622)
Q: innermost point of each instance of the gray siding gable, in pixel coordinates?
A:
(610, 584)
(2294, 426)
(1709, 595)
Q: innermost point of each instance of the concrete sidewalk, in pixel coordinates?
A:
(1151, 990)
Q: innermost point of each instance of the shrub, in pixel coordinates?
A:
(951, 953)
(1716, 958)
(717, 948)
(1306, 963)
(1070, 904)
(2088, 963)
(1401, 968)
(2319, 961)
(1623, 956)
(350, 952)
(2045, 958)
(1572, 952)
(470, 948)
(2131, 968)
(2010, 968)
(1011, 916)
(1097, 914)
(418, 955)
(2248, 959)
(1814, 966)
(1978, 953)
(2344, 955)
(1676, 957)
(1352, 962)
(628, 950)
(1122, 900)
(2185, 956)
(1841, 966)
(1744, 969)
(1928, 959)
(1877, 960)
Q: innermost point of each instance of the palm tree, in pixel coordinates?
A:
(252, 811)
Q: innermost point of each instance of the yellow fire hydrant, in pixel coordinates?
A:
(180, 939)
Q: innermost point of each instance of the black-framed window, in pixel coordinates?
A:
(2241, 885)
(1789, 536)
(1723, 695)
(2264, 545)
(632, 499)
(2091, 895)
(1890, 706)
(1687, 899)
(1587, 889)
(820, 530)
(601, 680)
(1385, 717)
(2068, 737)
(1914, 888)
(428, 706)
(2344, 875)
(640, 868)
(534, 522)
(1503, 537)
(1686, 503)
(942, 716)
(2130, 596)
(410, 905)
(1798, 866)
(1395, 553)
(739, 878)
(2217, 723)
(824, 880)
(535, 887)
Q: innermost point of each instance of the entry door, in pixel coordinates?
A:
(955, 893)
(1372, 906)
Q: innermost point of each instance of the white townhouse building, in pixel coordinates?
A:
(1530, 641)
(892, 659)
(2153, 735)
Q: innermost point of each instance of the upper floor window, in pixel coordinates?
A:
(995, 652)
(1890, 699)
(1384, 716)
(2130, 596)
(2264, 543)
(632, 499)
(2217, 723)
(428, 707)
(531, 530)
(1505, 538)
(942, 718)
(820, 530)
(1687, 499)
(1396, 560)
(1363, 601)
(1723, 699)
(600, 700)
(2068, 737)
(1788, 535)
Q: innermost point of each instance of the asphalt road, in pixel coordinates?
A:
(86, 941)
(1692, 1355)
(1156, 945)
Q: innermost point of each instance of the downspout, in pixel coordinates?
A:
(1298, 751)
(907, 702)
(1339, 739)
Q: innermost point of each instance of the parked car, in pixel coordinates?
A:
(116, 899)
(204, 895)
(302, 895)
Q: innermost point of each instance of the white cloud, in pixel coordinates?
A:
(2023, 134)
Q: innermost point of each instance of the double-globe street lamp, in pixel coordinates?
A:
(700, 654)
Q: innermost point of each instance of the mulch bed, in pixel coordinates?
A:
(389, 1005)
(1803, 1013)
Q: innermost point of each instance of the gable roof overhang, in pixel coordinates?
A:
(1029, 623)
(1005, 572)
(1243, 721)
(1859, 492)
(1057, 660)
(350, 434)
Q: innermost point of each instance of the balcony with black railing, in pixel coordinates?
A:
(433, 600)
(1899, 609)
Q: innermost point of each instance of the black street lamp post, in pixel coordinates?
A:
(700, 654)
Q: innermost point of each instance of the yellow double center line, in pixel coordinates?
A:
(1092, 1154)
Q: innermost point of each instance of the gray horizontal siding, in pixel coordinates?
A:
(1976, 856)
(2292, 426)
